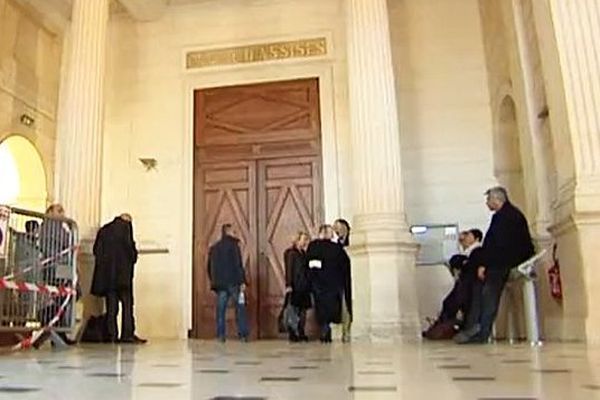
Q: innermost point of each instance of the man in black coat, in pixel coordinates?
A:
(342, 230)
(326, 261)
(116, 254)
(227, 279)
(507, 244)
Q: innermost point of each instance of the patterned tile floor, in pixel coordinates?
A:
(277, 370)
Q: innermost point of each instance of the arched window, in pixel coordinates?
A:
(22, 175)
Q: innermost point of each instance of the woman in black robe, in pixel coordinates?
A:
(298, 284)
(325, 261)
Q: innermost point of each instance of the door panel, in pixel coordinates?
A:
(289, 200)
(257, 154)
(225, 193)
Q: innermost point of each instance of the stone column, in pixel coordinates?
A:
(577, 34)
(79, 149)
(384, 254)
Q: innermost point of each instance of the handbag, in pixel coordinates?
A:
(281, 319)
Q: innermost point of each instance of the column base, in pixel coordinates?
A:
(384, 279)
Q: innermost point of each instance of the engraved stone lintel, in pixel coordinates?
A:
(303, 48)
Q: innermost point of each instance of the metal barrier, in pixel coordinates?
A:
(38, 271)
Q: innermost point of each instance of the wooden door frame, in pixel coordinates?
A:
(332, 190)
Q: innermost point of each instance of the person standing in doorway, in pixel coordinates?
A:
(325, 261)
(116, 254)
(507, 244)
(227, 278)
(298, 283)
(342, 230)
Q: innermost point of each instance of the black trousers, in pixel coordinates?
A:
(491, 293)
(125, 297)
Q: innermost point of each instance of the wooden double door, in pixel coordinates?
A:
(258, 167)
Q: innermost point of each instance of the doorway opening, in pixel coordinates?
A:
(257, 166)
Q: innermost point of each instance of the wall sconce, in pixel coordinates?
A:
(27, 120)
(149, 163)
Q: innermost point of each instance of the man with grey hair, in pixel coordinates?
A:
(507, 244)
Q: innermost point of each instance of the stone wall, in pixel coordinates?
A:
(30, 59)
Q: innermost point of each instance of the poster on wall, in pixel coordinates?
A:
(4, 218)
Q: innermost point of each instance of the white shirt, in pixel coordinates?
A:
(470, 249)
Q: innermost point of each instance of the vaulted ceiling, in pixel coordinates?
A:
(57, 12)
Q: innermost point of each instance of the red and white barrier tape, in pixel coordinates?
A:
(68, 293)
(25, 287)
(44, 261)
(36, 335)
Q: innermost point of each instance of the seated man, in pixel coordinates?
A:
(455, 306)
(507, 244)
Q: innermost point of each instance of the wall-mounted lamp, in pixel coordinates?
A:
(149, 163)
(27, 120)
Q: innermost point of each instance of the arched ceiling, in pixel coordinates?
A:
(58, 12)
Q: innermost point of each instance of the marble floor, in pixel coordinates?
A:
(276, 370)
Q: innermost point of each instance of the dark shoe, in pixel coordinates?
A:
(477, 339)
(64, 338)
(134, 340)
(244, 339)
(303, 338)
(325, 339)
(293, 338)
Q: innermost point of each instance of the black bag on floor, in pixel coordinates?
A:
(95, 330)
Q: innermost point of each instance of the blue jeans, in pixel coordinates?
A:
(223, 298)
(490, 297)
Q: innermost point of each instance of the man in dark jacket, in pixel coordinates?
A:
(227, 278)
(326, 261)
(115, 256)
(507, 244)
(464, 267)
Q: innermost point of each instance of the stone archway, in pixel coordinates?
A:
(508, 167)
(22, 174)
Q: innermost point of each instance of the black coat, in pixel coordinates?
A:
(472, 263)
(115, 256)
(508, 241)
(327, 281)
(346, 280)
(461, 295)
(225, 265)
(297, 277)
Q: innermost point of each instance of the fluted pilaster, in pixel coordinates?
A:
(79, 149)
(383, 253)
(577, 27)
